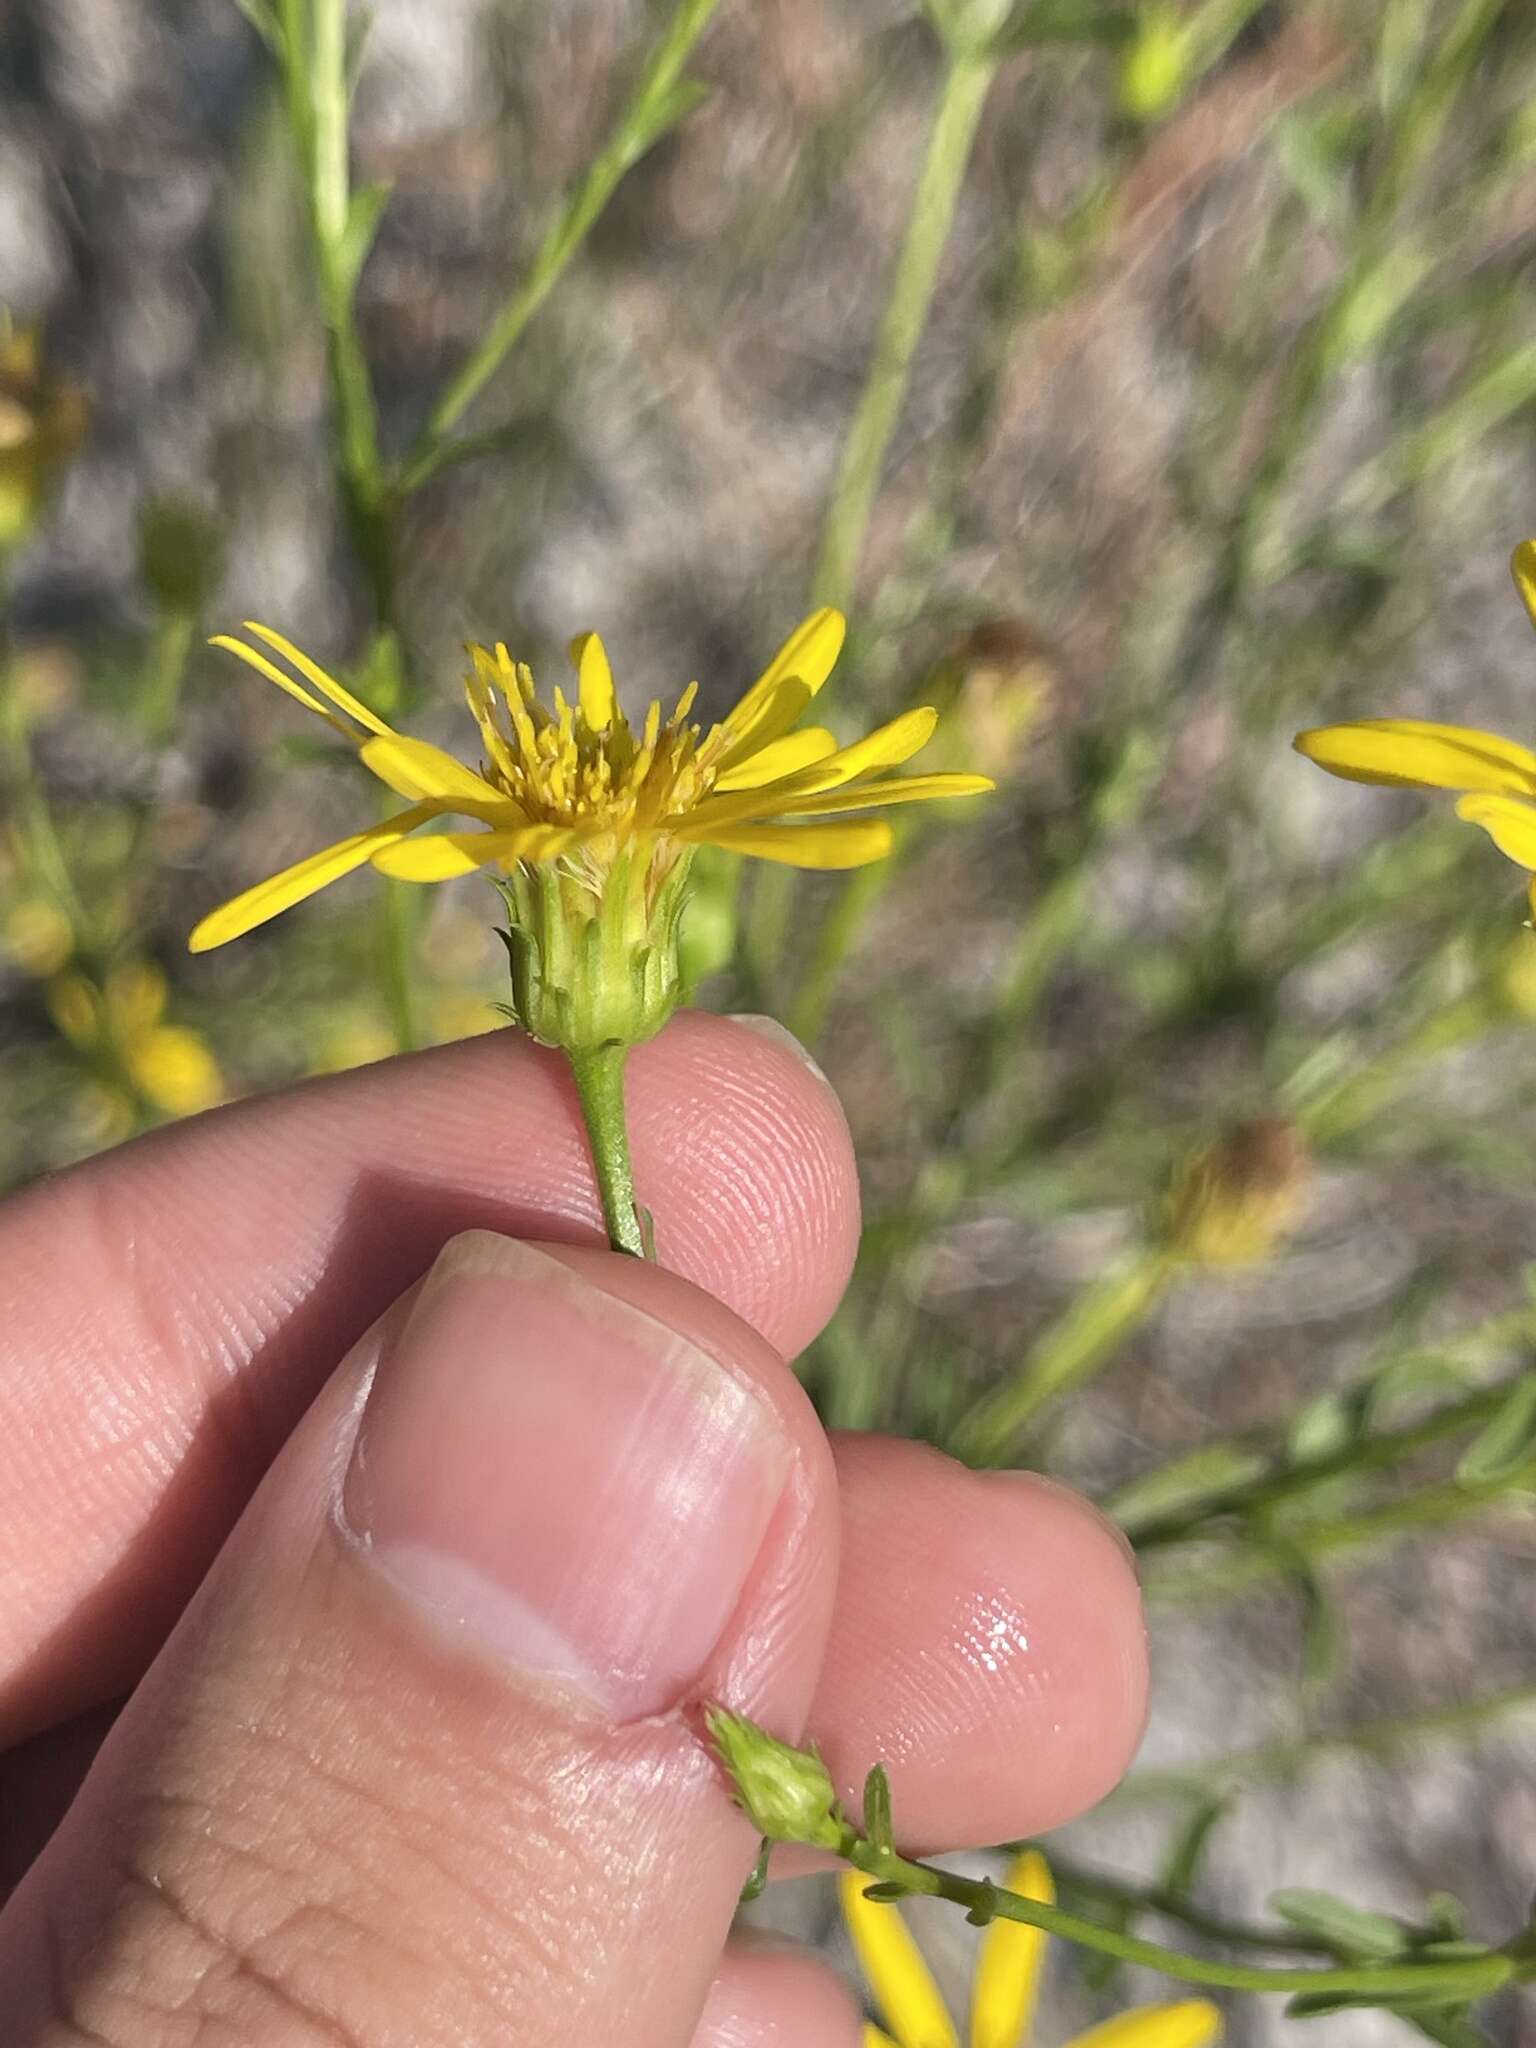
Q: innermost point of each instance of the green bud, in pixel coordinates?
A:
(1154, 70)
(595, 954)
(785, 1793)
(1231, 1201)
(180, 554)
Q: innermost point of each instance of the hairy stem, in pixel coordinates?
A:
(599, 1075)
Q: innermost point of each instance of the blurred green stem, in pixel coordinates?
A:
(1252, 1564)
(1370, 1454)
(967, 77)
(1280, 1759)
(1107, 1890)
(962, 92)
(1360, 1095)
(837, 937)
(1069, 1351)
(660, 98)
(313, 50)
(165, 671)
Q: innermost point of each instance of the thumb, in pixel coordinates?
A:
(418, 1766)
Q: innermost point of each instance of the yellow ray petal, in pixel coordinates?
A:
(439, 856)
(273, 674)
(786, 756)
(893, 1963)
(1192, 2023)
(1522, 565)
(877, 2037)
(1008, 1969)
(1412, 753)
(809, 654)
(801, 846)
(1509, 823)
(594, 680)
(779, 709)
(415, 768)
(869, 796)
(233, 919)
(716, 813)
(312, 672)
(886, 747)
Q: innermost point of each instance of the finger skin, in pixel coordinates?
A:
(171, 1307)
(769, 1995)
(326, 1816)
(988, 1647)
(984, 1747)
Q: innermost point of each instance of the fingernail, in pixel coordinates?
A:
(566, 1481)
(776, 1034)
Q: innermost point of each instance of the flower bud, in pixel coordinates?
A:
(991, 693)
(785, 1793)
(1154, 69)
(595, 948)
(180, 554)
(1232, 1200)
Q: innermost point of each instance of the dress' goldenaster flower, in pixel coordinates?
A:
(1006, 1987)
(1497, 776)
(578, 784)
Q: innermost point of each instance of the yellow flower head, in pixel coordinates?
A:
(589, 821)
(1007, 1982)
(1497, 776)
(121, 1026)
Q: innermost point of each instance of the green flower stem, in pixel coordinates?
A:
(1071, 1350)
(660, 99)
(1371, 1454)
(1373, 1085)
(599, 1075)
(1106, 1889)
(1379, 1738)
(962, 92)
(312, 47)
(1427, 1507)
(837, 938)
(1454, 1980)
(967, 76)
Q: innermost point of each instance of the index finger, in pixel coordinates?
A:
(170, 1307)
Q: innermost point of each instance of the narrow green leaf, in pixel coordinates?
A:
(877, 1808)
(1322, 1427)
(363, 217)
(1507, 1442)
(1068, 21)
(1183, 1484)
(669, 110)
(1188, 1852)
(1353, 1930)
(260, 15)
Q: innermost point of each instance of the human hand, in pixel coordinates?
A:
(413, 1759)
